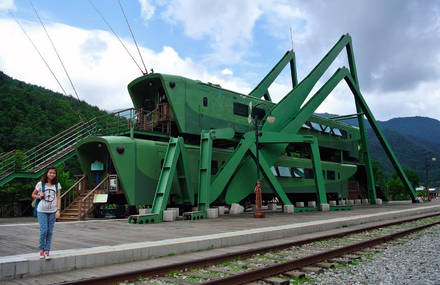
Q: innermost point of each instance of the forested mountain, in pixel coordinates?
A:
(421, 127)
(30, 114)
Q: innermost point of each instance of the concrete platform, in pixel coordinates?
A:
(88, 244)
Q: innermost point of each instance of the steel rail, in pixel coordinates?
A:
(270, 270)
(204, 262)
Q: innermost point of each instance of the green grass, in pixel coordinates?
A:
(142, 279)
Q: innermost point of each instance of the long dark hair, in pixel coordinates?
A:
(44, 178)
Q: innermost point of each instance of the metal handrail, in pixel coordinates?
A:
(43, 152)
(7, 153)
(96, 188)
(86, 199)
(73, 186)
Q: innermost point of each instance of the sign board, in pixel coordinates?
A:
(100, 198)
(97, 166)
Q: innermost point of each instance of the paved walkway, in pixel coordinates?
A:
(22, 238)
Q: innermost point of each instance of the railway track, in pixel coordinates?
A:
(275, 264)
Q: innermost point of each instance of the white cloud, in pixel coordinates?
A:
(97, 64)
(227, 24)
(7, 5)
(147, 9)
(227, 72)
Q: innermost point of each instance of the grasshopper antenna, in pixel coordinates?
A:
(45, 62)
(291, 36)
(132, 35)
(39, 53)
(114, 33)
(56, 52)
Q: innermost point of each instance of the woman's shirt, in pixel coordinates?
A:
(49, 203)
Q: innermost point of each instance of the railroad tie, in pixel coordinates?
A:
(175, 281)
(295, 274)
(313, 269)
(276, 281)
(325, 265)
(340, 260)
(352, 256)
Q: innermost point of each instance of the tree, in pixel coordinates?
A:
(395, 187)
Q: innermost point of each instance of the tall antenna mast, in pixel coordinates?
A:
(132, 35)
(55, 49)
(291, 36)
(114, 33)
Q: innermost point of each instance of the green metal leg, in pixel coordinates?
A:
(176, 150)
(205, 170)
(278, 189)
(166, 177)
(319, 179)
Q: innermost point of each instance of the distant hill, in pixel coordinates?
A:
(30, 114)
(422, 127)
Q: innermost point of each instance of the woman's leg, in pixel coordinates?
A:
(51, 223)
(42, 220)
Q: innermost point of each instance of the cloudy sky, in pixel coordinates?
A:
(233, 43)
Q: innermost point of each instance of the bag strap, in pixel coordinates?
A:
(43, 186)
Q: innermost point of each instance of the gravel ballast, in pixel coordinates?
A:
(414, 259)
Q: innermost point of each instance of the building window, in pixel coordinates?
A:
(274, 171)
(241, 109)
(214, 167)
(308, 173)
(205, 101)
(330, 174)
(284, 171)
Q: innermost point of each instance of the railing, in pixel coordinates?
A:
(71, 195)
(62, 144)
(50, 150)
(86, 203)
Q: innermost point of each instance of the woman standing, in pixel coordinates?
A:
(48, 192)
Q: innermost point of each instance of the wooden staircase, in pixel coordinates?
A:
(75, 211)
(77, 201)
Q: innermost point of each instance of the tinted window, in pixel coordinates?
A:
(241, 109)
(316, 126)
(214, 167)
(337, 132)
(308, 173)
(330, 175)
(344, 134)
(284, 171)
(274, 171)
(326, 129)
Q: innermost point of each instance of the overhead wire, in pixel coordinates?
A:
(132, 35)
(39, 53)
(56, 52)
(114, 33)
